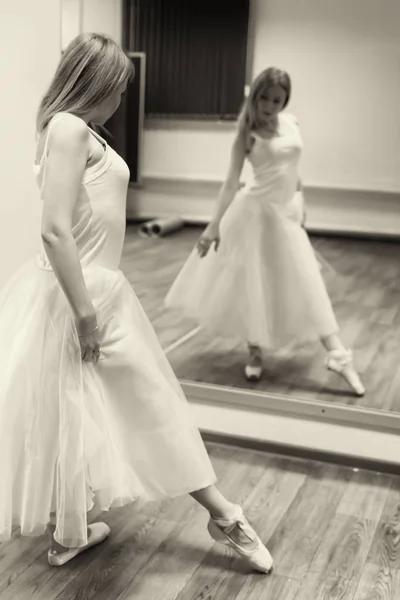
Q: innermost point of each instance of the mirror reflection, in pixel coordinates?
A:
(263, 227)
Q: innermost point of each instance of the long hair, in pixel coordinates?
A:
(92, 68)
(249, 118)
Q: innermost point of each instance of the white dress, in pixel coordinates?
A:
(72, 433)
(264, 284)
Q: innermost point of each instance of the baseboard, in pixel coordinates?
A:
(355, 212)
(337, 431)
(330, 210)
(191, 125)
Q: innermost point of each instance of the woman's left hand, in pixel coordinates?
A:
(210, 236)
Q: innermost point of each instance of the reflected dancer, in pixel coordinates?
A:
(262, 283)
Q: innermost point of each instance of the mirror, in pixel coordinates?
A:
(346, 96)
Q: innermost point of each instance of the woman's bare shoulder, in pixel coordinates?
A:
(67, 129)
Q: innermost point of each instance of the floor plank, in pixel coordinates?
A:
(298, 536)
(378, 584)
(385, 552)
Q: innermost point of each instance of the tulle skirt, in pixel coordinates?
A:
(74, 435)
(264, 285)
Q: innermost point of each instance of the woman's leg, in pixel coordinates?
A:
(340, 361)
(333, 342)
(213, 501)
(51, 527)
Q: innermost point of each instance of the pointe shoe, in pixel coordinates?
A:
(253, 369)
(98, 532)
(253, 373)
(342, 363)
(238, 534)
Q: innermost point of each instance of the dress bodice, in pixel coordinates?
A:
(99, 217)
(275, 162)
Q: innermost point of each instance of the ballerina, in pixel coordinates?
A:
(263, 283)
(91, 413)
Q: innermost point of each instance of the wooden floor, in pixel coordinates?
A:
(334, 534)
(365, 291)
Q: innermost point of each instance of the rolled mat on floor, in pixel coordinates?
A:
(161, 227)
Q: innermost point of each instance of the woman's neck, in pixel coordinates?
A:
(271, 125)
(269, 128)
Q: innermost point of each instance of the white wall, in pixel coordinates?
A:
(102, 16)
(344, 59)
(71, 20)
(29, 52)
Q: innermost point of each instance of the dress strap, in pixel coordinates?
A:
(98, 137)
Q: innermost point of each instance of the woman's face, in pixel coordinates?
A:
(271, 102)
(107, 108)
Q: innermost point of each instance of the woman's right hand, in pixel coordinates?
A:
(89, 340)
(209, 236)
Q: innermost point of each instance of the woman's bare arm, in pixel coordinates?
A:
(231, 184)
(64, 169)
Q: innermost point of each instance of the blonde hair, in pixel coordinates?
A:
(249, 119)
(91, 69)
